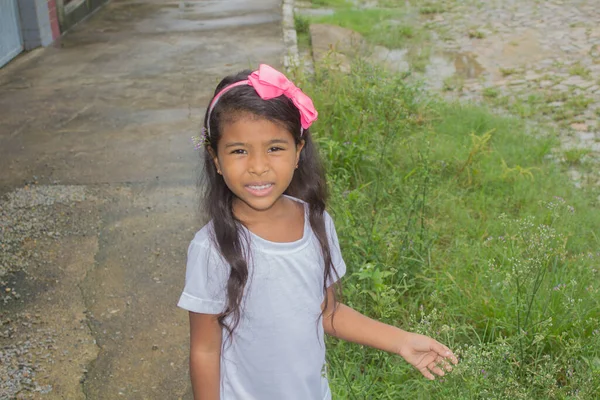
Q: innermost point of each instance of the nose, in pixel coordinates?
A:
(258, 164)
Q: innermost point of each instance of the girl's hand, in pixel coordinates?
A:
(426, 354)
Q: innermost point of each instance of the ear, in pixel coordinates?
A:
(299, 148)
(215, 159)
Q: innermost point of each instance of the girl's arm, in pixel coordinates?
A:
(424, 353)
(205, 356)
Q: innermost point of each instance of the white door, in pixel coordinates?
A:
(11, 42)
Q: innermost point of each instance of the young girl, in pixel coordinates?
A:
(261, 274)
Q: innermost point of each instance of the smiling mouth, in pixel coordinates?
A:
(260, 187)
(260, 190)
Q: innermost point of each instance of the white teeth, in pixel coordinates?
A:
(261, 187)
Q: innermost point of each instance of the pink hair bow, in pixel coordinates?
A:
(270, 83)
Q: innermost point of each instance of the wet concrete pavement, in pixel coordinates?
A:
(109, 110)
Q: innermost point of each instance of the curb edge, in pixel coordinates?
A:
(290, 37)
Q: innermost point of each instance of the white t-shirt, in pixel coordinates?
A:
(277, 351)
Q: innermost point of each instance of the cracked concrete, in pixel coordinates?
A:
(92, 285)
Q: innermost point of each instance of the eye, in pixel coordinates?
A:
(238, 151)
(275, 148)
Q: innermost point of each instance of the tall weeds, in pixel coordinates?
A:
(453, 223)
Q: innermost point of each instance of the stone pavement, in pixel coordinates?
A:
(537, 59)
(549, 49)
(97, 193)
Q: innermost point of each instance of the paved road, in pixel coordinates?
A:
(98, 128)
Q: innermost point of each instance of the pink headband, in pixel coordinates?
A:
(270, 83)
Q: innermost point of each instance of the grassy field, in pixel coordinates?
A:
(455, 223)
(394, 24)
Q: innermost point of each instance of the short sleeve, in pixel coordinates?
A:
(205, 280)
(336, 252)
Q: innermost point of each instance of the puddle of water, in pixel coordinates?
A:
(395, 59)
(442, 65)
(439, 68)
(397, 55)
(189, 21)
(463, 65)
(447, 64)
(466, 65)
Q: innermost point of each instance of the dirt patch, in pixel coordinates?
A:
(336, 45)
(48, 246)
(498, 53)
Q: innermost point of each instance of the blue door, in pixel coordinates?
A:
(11, 42)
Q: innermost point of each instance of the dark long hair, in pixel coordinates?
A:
(308, 184)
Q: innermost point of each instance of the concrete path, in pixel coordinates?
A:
(98, 193)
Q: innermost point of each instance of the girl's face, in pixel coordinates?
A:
(257, 159)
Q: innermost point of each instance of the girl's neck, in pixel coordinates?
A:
(284, 222)
(250, 216)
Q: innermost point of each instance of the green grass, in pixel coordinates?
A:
(454, 223)
(453, 83)
(538, 104)
(578, 69)
(389, 27)
(431, 9)
(578, 103)
(508, 71)
(379, 26)
(475, 34)
(391, 23)
(302, 25)
(575, 156)
(491, 93)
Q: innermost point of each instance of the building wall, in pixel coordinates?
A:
(11, 37)
(39, 22)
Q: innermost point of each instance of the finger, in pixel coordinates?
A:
(452, 357)
(435, 369)
(444, 352)
(427, 374)
(443, 363)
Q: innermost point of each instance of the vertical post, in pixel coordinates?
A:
(53, 7)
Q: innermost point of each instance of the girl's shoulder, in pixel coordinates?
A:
(204, 241)
(204, 236)
(202, 250)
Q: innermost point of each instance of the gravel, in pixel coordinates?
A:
(18, 369)
(32, 214)
(26, 215)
